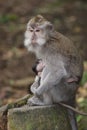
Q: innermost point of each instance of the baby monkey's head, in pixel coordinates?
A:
(38, 66)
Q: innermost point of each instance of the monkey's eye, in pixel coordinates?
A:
(37, 30)
(31, 30)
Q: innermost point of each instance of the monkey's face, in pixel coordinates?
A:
(37, 31)
(35, 36)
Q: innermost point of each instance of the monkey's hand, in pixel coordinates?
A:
(34, 86)
(37, 79)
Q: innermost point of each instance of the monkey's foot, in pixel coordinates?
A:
(30, 101)
(34, 101)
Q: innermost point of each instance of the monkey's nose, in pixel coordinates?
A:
(33, 41)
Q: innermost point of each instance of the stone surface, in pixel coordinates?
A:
(38, 118)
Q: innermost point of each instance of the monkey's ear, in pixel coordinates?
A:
(50, 26)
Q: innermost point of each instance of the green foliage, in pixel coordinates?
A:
(82, 120)
(84, 79)
(83, 104)
(8, 17)
(79, 118)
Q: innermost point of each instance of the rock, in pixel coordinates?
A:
(4, 110)
(38, 118)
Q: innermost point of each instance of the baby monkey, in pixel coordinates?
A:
(38, 68)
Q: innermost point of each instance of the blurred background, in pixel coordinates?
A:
(69, 18)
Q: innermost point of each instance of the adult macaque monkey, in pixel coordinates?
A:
(62, 61)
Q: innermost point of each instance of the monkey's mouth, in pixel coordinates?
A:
(33, 42)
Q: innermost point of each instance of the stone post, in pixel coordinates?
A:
(52, 117)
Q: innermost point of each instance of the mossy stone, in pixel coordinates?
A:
(38, 118)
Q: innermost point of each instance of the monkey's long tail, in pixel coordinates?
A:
(72, 118)
(73, 109)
